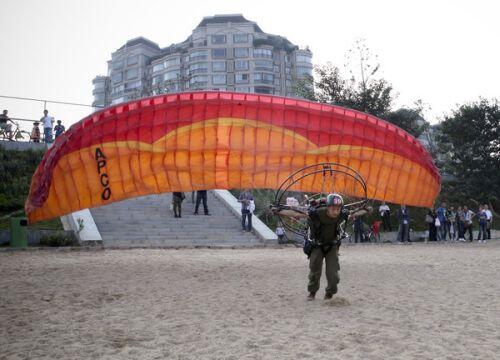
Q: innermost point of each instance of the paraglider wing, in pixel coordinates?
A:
(222, 140)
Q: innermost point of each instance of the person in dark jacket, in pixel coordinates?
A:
(404, 224)
(201, 195)
(430, 219)
(177, 198)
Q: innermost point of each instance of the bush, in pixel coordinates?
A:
(56, 240)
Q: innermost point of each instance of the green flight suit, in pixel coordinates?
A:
(324, 231)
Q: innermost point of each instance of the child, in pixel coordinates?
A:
(59, 128)
(35, 133)
(281, 235)
(376, 230)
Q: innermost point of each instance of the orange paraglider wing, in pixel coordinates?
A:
(222, 140)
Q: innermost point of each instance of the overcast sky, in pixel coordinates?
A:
(443, 52)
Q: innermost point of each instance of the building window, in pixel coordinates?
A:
(263, 90)
(158, 67)
(241, 78)
(197, 68)
(303, 70)
(185, 58)
(132, 85)
(99, 85)
(287, 70)
(117, 77)
(132, 60)
(131, 73)
(118, 89)
(170, 75)
(218, 53)
(172, 62)
(117, 65)
(241, 65)
(263, 53)
(218, 66)
(263, 78)
(219, 79)
(240, 38)
(157, 80)
(198, 55)
(118, 101)
(276, 81)
(242, 89)
(263, 65)
(198, 81)
(276, 68)
(303, 58)
(218, 39)
(240, 52)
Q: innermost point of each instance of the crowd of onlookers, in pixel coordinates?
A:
(443, 223)
(36, 134)
(455, 225)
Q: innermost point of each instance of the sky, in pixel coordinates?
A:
(443, 52)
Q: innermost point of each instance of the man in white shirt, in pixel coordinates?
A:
(385, 214)
(489, 220)
(47, 122)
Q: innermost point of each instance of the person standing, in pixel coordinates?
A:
(404, 224)
(452, 223)
(358, 229)
(201, 195)
(35, 132)
(481, 218)
(177, 198)
(489, 221)
(468, 215)
(280, 232)
(461, 224)
(47, 122)
(385, 215)
(442, 215)
(59, 129)
(246, 199)
(430, 219)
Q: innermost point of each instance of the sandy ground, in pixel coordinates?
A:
(400, 302)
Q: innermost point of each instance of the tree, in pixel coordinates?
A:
(470, 138)
(409, 119)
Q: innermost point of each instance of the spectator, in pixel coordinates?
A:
(489, 221)
(201, 195)
(461, 224)
(4, 124)
(385, 215)
(59, 129)
(358, 229)
(281, 235)
(35, 132)
(177, 198)
(468, 215)
(430, 219)
(245, 199)
(452, 223)
(481, 218)
(48, 122)
(442, 215)
(376, 230)
(404, 224)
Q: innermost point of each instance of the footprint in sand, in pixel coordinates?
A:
(337, 301)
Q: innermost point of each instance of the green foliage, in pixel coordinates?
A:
(408, 119)
(56, 240)
(469, 140)
(16, 170)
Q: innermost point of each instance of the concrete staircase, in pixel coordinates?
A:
(148, 222)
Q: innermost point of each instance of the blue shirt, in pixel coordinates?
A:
(441, 213)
